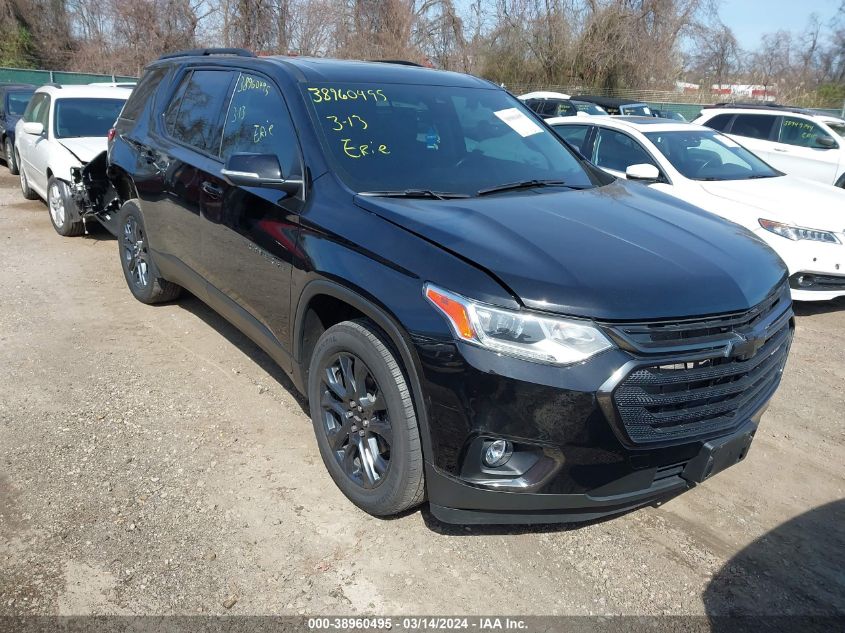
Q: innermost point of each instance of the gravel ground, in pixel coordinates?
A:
(154, 461)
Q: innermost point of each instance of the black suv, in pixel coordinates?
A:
(477, 315)
(13, 101)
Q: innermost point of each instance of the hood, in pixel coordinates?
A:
(787, 199)
(619, 252)
(85, 148)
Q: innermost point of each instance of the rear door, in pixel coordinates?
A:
(799, 154)
(251, 234)
(758, 133)
(186, 157)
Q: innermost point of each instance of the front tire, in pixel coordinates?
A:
(364, 419)
(11, 162)
(136, 259)
(62, 209)
(26, 190)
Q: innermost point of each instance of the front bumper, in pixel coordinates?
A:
(819, 261)
(584, 457)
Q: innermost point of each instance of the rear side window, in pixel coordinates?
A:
(257, 122)
(201, 103)
(573, 134)
(719, 122)
(142, 93)
(754, 125)
(618, 151)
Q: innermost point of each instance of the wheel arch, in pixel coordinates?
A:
(321, 297)
(123, 183)
(841, 181)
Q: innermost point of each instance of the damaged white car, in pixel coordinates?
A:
(63, 128)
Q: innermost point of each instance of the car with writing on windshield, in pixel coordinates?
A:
(13, 101)
(802, 220)
(62, 128)
(477, 315)
(796, 141)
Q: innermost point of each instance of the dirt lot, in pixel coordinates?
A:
(154, 461)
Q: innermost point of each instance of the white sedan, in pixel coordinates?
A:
(802, 220)
(63, 127)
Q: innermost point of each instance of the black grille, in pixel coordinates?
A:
(727, 369)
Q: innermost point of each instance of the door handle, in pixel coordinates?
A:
(781, 149)
(212, 190)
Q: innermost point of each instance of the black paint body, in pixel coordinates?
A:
(616, 253)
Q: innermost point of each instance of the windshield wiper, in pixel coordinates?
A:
(755, 176)
(524, 184)
(416, 193)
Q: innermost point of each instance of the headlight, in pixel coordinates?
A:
(798, 233)
(515, 333)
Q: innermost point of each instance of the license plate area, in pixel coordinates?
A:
(719, 454)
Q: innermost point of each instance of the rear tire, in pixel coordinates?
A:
(9, 152)
(27, 192)
(364, 419)
(136, 259)
(63, 214)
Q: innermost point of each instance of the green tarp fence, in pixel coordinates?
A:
(40, 77)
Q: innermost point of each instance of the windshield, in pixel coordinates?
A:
(86, 117)
(708, 155)
(399, 137)
(17, 102)
(837, 127)
(589, 108)
(637, 109)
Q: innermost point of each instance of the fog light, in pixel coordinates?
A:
(497, 453)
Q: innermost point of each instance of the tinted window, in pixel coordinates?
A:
(753, 125)
(198, 121)
(258, 122)
(701, 155)
(441, 138)
(635, 110)
(141, 94)
(618, 151)
(85, 117)
(573, 134)
(36, 107)
(17, 102)
(801, 132)
(719, 122)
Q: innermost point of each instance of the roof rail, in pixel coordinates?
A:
(401, 62)
(197, 52)
(759, 106)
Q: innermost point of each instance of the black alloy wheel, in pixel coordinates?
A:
(356, 420)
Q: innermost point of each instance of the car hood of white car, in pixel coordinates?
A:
(85, 148)
(787, 199)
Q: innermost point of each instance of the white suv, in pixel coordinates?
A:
(795, 141)
(63, 127)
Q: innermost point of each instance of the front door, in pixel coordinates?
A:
(251, 236)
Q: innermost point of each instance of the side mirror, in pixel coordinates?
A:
(643, 172)
(825, 142)
(34, 128)
(258, 170)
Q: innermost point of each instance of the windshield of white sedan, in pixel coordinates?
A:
(704, 155)
(86, 117)
(412, 138)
